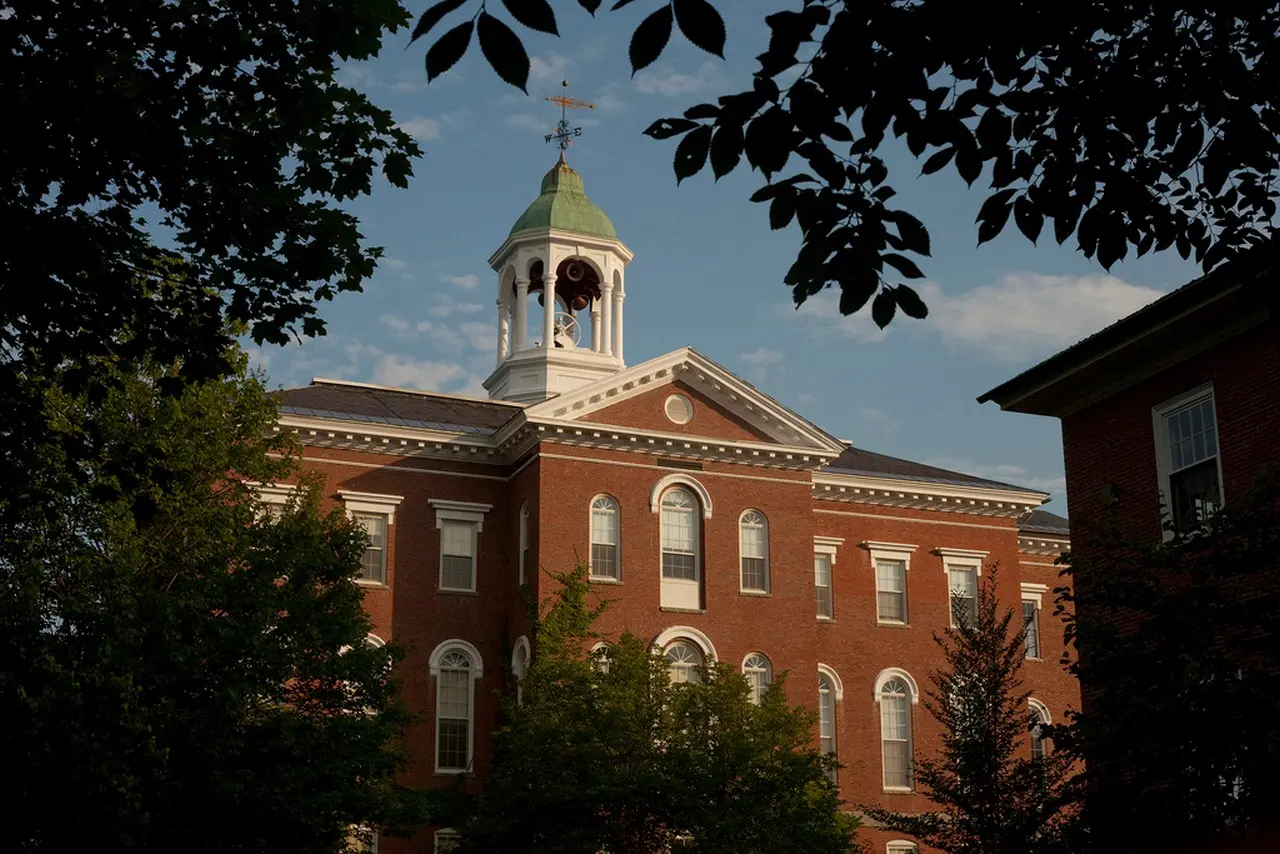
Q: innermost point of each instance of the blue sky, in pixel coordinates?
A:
(707, 270)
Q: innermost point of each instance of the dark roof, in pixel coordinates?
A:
(857, 461)
(1044, 522)
(326, 399)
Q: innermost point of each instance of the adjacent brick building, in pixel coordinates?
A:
(723, 525)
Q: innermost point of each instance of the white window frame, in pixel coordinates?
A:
(681, 593)
(764, 528)
(477, 671)
(521, 656)
(913, 695)
(891, 552)
(444, 834)
(1160, 425)
(373, 504)
(1041, 711)
(827, 547)
(961, 559)
(1035, 593)
(617, 535)
(271, 495)
(758, 689)
(466, 512)
(837, 696)
(901, 846)
(524, 542)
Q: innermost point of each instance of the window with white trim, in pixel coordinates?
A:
(1031, 623)
(753, 549)
(605, 538)
(825, 600)
(891, 562)
(895, 734)
(524, 542)
(520, 666)
(1188, 461)
(679, 534)
(1039, 717)
(460, 524)
(447, 841)
(455, 673)
(364, 840)
(373, 563)
(759, 673)
(683, 660)
(963, 590)
(827, 718)
(900, 846)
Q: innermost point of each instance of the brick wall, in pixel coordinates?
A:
(647, 412)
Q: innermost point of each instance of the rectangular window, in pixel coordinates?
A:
(895, 724)
(679, 555)
(1031, 619)
(891, 591)
(1189, 447)
(453, 720)
(822, 586)
(373, 563)
(447, 841)
(457, 555)
(604, 542)
(753, 558)
(964, 593)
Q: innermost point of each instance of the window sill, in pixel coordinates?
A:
(372, 585)
(450, 775)
(449, 591)
(888, 624)
(759, 593)
(603, 579)
(1032, 658)
(826, 619)
(682, 610)
(897, 790)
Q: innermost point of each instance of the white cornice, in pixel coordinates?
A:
(923, 495)
(556, 235)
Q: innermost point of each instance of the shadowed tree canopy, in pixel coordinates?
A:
(605, 753)
(1134, 127)
(178, 670)
(990, 793)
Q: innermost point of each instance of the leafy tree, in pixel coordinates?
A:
(1132, 126)
(606, 754)
(179, 672)
(1178, 662)
(992, 799)
(220, 122)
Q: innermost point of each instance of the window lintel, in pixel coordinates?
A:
(459, 511)
(371, 502)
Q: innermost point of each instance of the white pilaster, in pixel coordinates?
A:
(548, 310)
(617, 323)
(606, 317)
(522, 315)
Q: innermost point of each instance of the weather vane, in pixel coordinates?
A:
(564, 132)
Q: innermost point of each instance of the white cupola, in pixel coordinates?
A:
(564, 257)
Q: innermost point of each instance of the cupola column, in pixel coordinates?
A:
(606, 318)
(521, 341)
(504, 328)
(617, 323)
(549, 310)
(595, 326)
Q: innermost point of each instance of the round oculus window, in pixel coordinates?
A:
(679, 409)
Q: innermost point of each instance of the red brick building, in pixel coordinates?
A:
(723, 525)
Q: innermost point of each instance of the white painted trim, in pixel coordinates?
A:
(857, 515)
(836, 682)
(374, 641)
(444, 833)
(522, 642)
(962, 555)
(1033, 592)
(617, 548)
(1029, 498)
(371, 502)
(477, 663)
(459, 511)
(689, 633)
(1161, 432)
(827, 546)
(896, 673)
(901, 846)
(1041, 709)
(477, 670)
(522, 535)
(768, 563)
(679, 479)
(889, 551)
(276, 493)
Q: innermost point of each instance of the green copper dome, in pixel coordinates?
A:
(564, 205)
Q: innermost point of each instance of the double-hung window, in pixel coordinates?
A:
(824, 561)
(753, 547)
(460, 524)
(375, 514)
(891, 561)
(963, 567)
(1187, 458)
(605, 524)
(1031, 597)
(455, 665)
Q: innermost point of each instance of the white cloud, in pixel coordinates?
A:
(763, 364)
(1026, 315)
(406, 372)
(393, 263)
(446, 307)
(357, 75)
(820, 317)
(552, 68)
(395, 324)
(467, 281)
(481, 336)
(609, 101)
(421, 127)
(667, 81)
(529, 122)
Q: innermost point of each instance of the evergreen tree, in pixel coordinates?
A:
(992, 796)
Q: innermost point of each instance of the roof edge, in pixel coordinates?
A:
(414, 391)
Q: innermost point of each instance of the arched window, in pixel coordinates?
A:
(681, 561)
(895, 733)
(759, 673)
(1039, 717)
(683, 660)
(524, 542)
(601, 657)
(520, 666)
(605, 530)
(827, 718)
(456, 665)
(753, 545)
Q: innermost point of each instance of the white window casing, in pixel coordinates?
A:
(896, 693)
(753, 552)
(758, 670)
(446, 841)
(680, 479)
(1188, 454)
(891, 563)
(456, 666)
(371, 502)
(963, 568)
(680, 555)
(460, 524)
(1038, 710)
(901, 846)
(524, 556)
(824, 562)
(605, 525)
(1032, 595)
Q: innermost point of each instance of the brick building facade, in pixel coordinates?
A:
(721, 524)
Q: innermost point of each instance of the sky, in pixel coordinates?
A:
(707, 270)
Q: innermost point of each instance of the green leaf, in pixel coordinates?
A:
(691, 153)
(701, 24)
(534, 14)
(726, 149)
(781, 211)
(903, 265)
(667, 128)
(502, 48)
(938, 160)
(432, 16)
(447, 50)
(883, 308)
(1028, 218)
(910, 303)
(650, 39)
